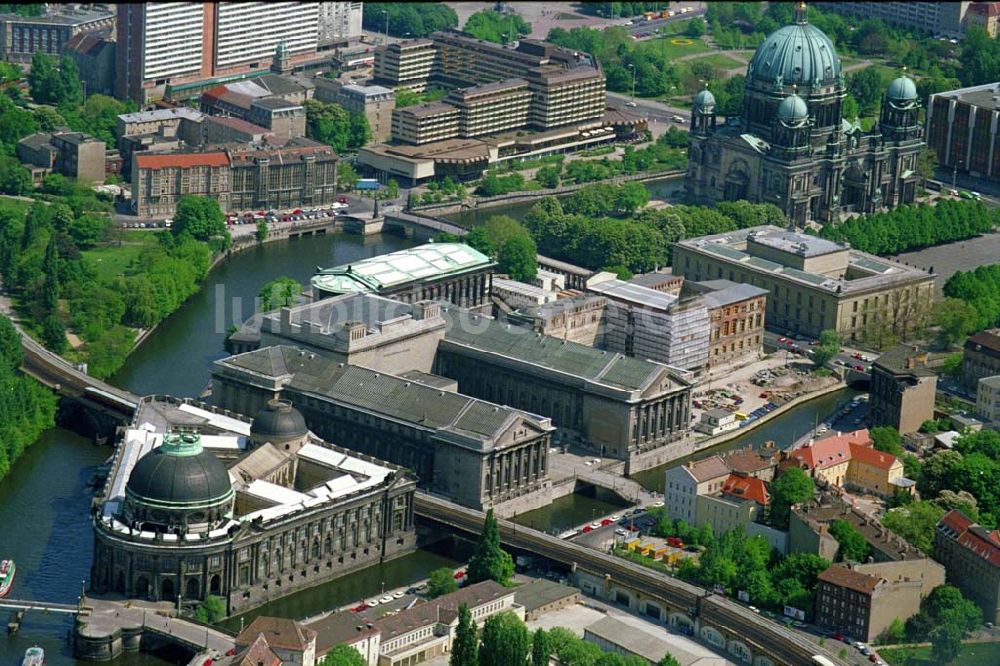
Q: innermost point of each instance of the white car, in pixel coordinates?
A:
(631, 104)
(615, 517)
(398, 594)
(386, 599)
(594, 526)
(621, 531)
(658, 503)
(373, 603)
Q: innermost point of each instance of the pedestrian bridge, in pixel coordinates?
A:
(43, 606)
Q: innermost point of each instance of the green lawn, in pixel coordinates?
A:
(111, 260)
(662, 45)
(973, 654)
(15, 205)
(719, 61)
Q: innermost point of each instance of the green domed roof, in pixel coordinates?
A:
(179, 474)
(798, 54)
(793, 109)
(902, 89)
(703, 101)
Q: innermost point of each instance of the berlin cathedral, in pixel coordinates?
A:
(791, 145)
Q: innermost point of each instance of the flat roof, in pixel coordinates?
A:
(161, 115)
(630, 292)
(424, 262)
(541, 592)
(796, 243)
(62, 16)
(726, 247)
(981, 95)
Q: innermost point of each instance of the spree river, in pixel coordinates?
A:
(44, 501)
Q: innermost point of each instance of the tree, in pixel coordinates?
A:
(956, 319)
(668, 660)
(489, 560)
(49, 119)
(927, 164)
(915, 522)
(894, 633)
(952, 365)
(261, 233)
(332, 124)
(887, 440)
(465, 649)
(14, 179)
(853, 546)
(518, 257)
(440, 582)
(792, 487)
(548, 176)
(946, 643)
(50, 267)
(493, 26)
(392, 189)
(695, 28)
(200, 218)
(88, 230)
(278, 293)
(44, 83)
(343, 655)
(827, 349)
(416, 19)
(631, 197)
(347, 177)
(11, 353)
(54, 334)
(541, 648)
(69, 77)
(212, 610)
(505, 640)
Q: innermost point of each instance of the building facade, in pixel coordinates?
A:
(902, 389)
(580, 319)
(980, 358)
(174, 524)
(938, 18)
(813, 284)
(94, 55)
(988, 398)
(850, 460)
(961, 130)
(985, 15)
(71, 154)
(791, 146)
(608, 403)
(23, 36)
(339, 21)
(736, 321)
(683, 485)
(376, 103)
(406, 64)
(862, 600)
(453, 272)
(164, 48)
(475, 453)
(160, 180)
(971, 557)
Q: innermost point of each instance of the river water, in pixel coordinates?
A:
(44, 501)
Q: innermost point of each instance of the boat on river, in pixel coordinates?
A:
(33, 656)
(7, 570)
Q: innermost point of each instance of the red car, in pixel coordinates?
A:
(859, 368)
(782, 339)
(857, 356)
(873, 658)
(342, 200)
(606, 522)
(837, 636)
(297, 211)
(358, 609)
(231, 652)
(459, 575)
(587, 528)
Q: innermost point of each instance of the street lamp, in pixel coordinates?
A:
(386, 14)
(633, 84)
(954, 173)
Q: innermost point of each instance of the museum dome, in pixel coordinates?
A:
(902, 89)
(704, 102)
(799, 54)
(793, 110)
(278, 421)
(179, 474)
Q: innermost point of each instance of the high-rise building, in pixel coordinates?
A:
(22, 36)
(339, 21)
(164, 48)
(936, 17)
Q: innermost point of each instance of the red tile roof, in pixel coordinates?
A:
(747, 488)
(181, 160)
(972, 537)
(987, 341)
(258, 654)
(870, 456)
(830, 451)
(279, 633)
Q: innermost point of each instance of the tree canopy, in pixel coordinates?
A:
(980, 288)
(408, 19)
(343, 655)
(853, 546)
(333, 125)
(440, 582)
(465, 648)
(827, 349)
(792, 487)
(202, 219)
(489, 560)
(492, 26)
(279, 292)
(505, 640)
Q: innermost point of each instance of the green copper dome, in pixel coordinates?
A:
(798, 54)
(902, 89)
(793, 110)
(179, 474)
(704, 101)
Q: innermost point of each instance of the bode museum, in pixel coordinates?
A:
(791, 145)
(202, 502)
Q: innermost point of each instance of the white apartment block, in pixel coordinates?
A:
(174, 33)
(683, 484)
(339, 21)
(250, 31)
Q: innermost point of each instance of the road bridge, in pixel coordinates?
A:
(728, 626)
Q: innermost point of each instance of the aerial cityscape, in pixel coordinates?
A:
(500, 333)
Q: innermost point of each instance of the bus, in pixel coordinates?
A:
(740, 416)
(824, 661)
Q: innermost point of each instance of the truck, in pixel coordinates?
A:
(367, 184)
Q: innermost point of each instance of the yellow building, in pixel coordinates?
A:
(874, 470)
(851, 460)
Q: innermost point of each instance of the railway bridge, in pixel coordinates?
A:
(745, 636)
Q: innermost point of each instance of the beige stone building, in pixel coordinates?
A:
(902, 389)
(70, 154)
(683, 485)
(160, 180)
(736, 314)
(425, 123)
(971, 556)
(406, 64)
(850, 461)
(862, 600)
(988, 398)
(813, 284)
(491, 107)
(376, 103)
(578, 319)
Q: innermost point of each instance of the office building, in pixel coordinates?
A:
(491, 107)
(160, 180)
(980, 358)
(862, 600)
(961, 130)
(937, 18)
(425, 123)
(985, 15)
(971, 557)
(376, 103)
(902, 389)
(94, 55)
(175, 50)
(473, 452)
(611, 404)
(988, 398)
(249, 511)
(562, 97)
(23, 36)
(736, 321)
(453, 272)
(813, 284)
(339, 21)
(70, 154)
(406, 64)
(651, 324)
(791, 146)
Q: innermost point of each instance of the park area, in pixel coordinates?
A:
(972, 654)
